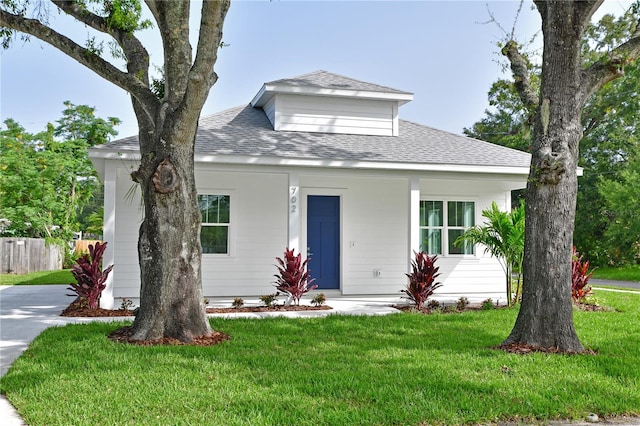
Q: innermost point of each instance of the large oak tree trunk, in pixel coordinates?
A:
(546, 314)
(171, 301)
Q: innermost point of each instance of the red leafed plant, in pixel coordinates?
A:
(91, 279)
(422, 279)
(293, 278)
(579, 277)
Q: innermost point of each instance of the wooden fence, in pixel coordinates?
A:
(24, 255)
(82, 246)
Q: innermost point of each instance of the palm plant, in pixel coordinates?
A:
(503, 237)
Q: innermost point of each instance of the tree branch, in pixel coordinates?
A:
(612, 66)
(172, 18)
(91, 60)
(520, 72)
(135, 53)
(202, 75)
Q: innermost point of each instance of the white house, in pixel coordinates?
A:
(322, 163)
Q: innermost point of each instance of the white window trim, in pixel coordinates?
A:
(232, 222)
(445, 226)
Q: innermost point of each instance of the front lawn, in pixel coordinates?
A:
(62, 276)
(621, 273)
(404, 369)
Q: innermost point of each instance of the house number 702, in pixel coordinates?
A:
(293, 200)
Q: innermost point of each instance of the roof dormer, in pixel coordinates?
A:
(324, 102)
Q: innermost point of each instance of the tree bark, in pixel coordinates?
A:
(171, 302)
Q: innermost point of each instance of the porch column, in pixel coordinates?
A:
(109, 231)
(294, 212)
(414, 216)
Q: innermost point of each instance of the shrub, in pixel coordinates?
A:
(579, 277)
(269, 299)
(319, 299)
(126, 304)
(237, 303)
(91, 279)
(422, 279)
(293, 277)
(462, 303)
(487, 305)
(433, 305)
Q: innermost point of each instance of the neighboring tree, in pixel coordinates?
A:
(22, 184)
(508, 123)
(545, 318)
(48, 179)
(622, 205)
(502, 235)
(169, 245)
(80, 125)
(611, 133)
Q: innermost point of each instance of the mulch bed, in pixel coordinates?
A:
(592, 307)
(77, 310)
(277, 308)
(449, 309)
(123, 335)
(73, 310)
(525, 349)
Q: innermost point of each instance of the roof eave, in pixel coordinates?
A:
(268, 90)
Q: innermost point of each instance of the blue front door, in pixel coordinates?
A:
(323, 240)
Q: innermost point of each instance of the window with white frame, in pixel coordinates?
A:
(442, 222)
(214, 231)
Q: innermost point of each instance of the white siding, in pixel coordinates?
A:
(375, 231)
(270, 110)
(470, 275)
(126, 272)
(334, 115)
(258, 230)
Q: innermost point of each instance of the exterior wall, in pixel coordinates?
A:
(258, 232)
(375, 231)
(270, 110)
(479, 274)
(334, 115)
(125, 275)
(374, 225)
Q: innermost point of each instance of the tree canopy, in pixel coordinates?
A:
(47, 179)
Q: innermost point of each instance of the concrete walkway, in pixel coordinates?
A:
(25, 311)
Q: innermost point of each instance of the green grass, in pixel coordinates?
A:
(621, 273)
(404, 369)
(62, 276)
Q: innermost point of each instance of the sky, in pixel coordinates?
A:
(444, 52)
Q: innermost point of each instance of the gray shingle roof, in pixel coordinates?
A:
(327, 80)
(246, 131)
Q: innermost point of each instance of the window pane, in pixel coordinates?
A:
(465, 248)
(460, 213)
(223, 209)
(203, 204)
(214, 208)
(214, 239)
(431, 241)
(430, 213)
